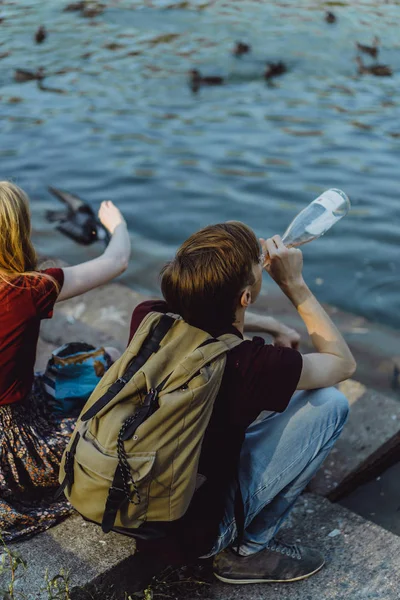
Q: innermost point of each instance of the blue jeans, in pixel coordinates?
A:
(280, 455)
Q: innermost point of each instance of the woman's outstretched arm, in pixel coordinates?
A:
(114, 260)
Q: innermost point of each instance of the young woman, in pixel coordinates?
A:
(32, 437)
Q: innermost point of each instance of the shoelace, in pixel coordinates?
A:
(291, 550)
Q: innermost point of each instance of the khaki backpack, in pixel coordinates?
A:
(134, 454)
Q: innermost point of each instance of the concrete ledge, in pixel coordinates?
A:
(374, 420)
(93, 559)
(99, 317)
(362, 561)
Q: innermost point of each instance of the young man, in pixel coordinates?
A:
(215, 276)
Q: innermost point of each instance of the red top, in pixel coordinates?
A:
(22, 306)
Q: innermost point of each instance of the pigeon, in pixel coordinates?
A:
(79, 221)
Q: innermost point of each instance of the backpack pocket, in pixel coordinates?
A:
(94, 471)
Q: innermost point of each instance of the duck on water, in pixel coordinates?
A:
(197, 80)
(377, 70)
(371, 50)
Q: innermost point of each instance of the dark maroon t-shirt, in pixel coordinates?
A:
(23, 304)
(257, 377)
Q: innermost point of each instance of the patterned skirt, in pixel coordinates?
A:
(32, 441)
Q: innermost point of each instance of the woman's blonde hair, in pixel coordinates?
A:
(17, 254)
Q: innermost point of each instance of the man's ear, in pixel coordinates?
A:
(245, 298)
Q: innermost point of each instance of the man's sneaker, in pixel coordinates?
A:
(278, 563)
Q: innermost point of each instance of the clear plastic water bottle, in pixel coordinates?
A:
(315, 220)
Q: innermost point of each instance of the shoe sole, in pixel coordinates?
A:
(244, 581)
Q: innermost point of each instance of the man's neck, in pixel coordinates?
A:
(239, 319)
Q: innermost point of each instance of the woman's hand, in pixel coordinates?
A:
(110, 216)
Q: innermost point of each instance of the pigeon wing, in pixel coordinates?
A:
(81, 234)
(74, 203)
(56, 215)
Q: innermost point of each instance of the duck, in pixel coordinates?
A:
(275, 69)
(22, 75)
(75, 6)
(330, 17)
(377, 70)
(78, 221)
(197, 80)
(371, 50)
(40, 35)
(46, 88)
(92, 9)
(241, 48)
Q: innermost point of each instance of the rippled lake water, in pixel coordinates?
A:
(128, 127)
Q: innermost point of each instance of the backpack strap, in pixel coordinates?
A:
(116, 496)
(210, 349)
(117, 493)
(69, 468)
(149, 346)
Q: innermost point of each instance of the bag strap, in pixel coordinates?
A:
(116, 496)
(150, 345)
(68, 468)
(119, 490)
(220, 346)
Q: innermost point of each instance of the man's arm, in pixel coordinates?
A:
(333, 361)
(283, 335)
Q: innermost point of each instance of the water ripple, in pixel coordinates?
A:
(128, 127)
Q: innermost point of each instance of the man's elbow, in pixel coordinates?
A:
(350, 368)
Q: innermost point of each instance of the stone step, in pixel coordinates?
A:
(99, 317)
(94, 561)
(378, 500)
(362, 561)
(374, 421)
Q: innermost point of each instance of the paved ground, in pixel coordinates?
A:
(362, 562)
(362, 559)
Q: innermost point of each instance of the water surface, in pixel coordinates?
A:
(129, 128)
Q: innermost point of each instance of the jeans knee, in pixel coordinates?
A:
(340, 405)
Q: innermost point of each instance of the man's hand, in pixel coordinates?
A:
(283, 335)
(287, 338)
(283, 264)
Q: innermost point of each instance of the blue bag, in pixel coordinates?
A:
(71, 375)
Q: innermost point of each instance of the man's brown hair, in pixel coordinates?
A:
(210, 270)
